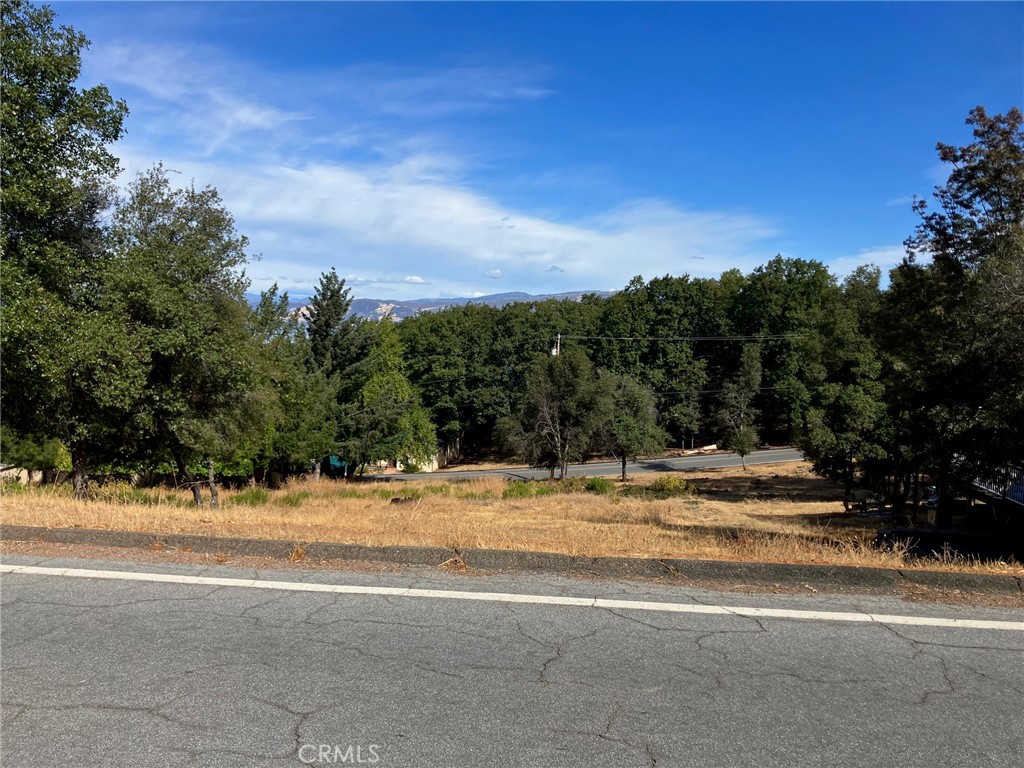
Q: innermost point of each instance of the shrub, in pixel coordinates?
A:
(527, 489)
(251, 497)
(295, 498)
(517, 489)
(601, 485)
(667, 486)
(571, 485)
(11, 486)
(663, 487)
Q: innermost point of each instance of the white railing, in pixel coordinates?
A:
(1008, 484)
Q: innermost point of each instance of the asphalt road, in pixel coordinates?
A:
(610, 468)
(106, 672)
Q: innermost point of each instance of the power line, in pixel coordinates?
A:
(701, 391)
(687, 338)
(556, 350)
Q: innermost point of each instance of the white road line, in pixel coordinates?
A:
(503, 597)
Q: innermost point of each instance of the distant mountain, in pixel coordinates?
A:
(377, 308)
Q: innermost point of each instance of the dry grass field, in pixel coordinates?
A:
(768, 513)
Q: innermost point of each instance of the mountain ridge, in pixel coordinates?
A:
(402, 309)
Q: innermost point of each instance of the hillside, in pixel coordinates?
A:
(375, 308)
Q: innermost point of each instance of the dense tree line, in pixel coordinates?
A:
(129, 345)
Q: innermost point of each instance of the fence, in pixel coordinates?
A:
(1008, 484)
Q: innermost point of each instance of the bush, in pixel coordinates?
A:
(295, 499)
(527, 489)
(251, 497)
(666, 486)
(11, 485)
(663, 487)
(571, 485)
(601, 485)
(517, 489)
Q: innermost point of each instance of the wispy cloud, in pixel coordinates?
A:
(395, 196)
(184, 95)
(885, 257)
(414, 93)
(900, 202)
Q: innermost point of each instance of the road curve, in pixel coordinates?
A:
(613, 468)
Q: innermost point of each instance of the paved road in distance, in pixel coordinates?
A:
(614, 468)
(107, 673)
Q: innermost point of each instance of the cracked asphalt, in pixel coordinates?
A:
(116, 673)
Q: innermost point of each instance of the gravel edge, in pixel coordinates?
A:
(832, 578)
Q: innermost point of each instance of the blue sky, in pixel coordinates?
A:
(459, 149)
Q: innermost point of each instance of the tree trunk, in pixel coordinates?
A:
(79, 463)
(623, 469)
(944, 511)
(189, 478)
(916, 497)
(316, 471)
(551, 473)
(31, 475)
(212, 479)
(743, 461)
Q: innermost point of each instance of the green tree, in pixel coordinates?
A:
(53, 142)
(339, 341)
(785, 297)
(448, 355)
(738, 415)
(303, 428)
(631, 428)
(387, 421)
(177, 275)
(846, 420)
(30, 454)
(954, 387)
(70, 371)
(564, 408)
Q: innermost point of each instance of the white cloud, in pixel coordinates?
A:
(390, 203)
(885, 257)
(900, 202)
(187, 95)
(425, 93)
(307, 219)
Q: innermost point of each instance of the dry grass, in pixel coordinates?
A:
(776, 513)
